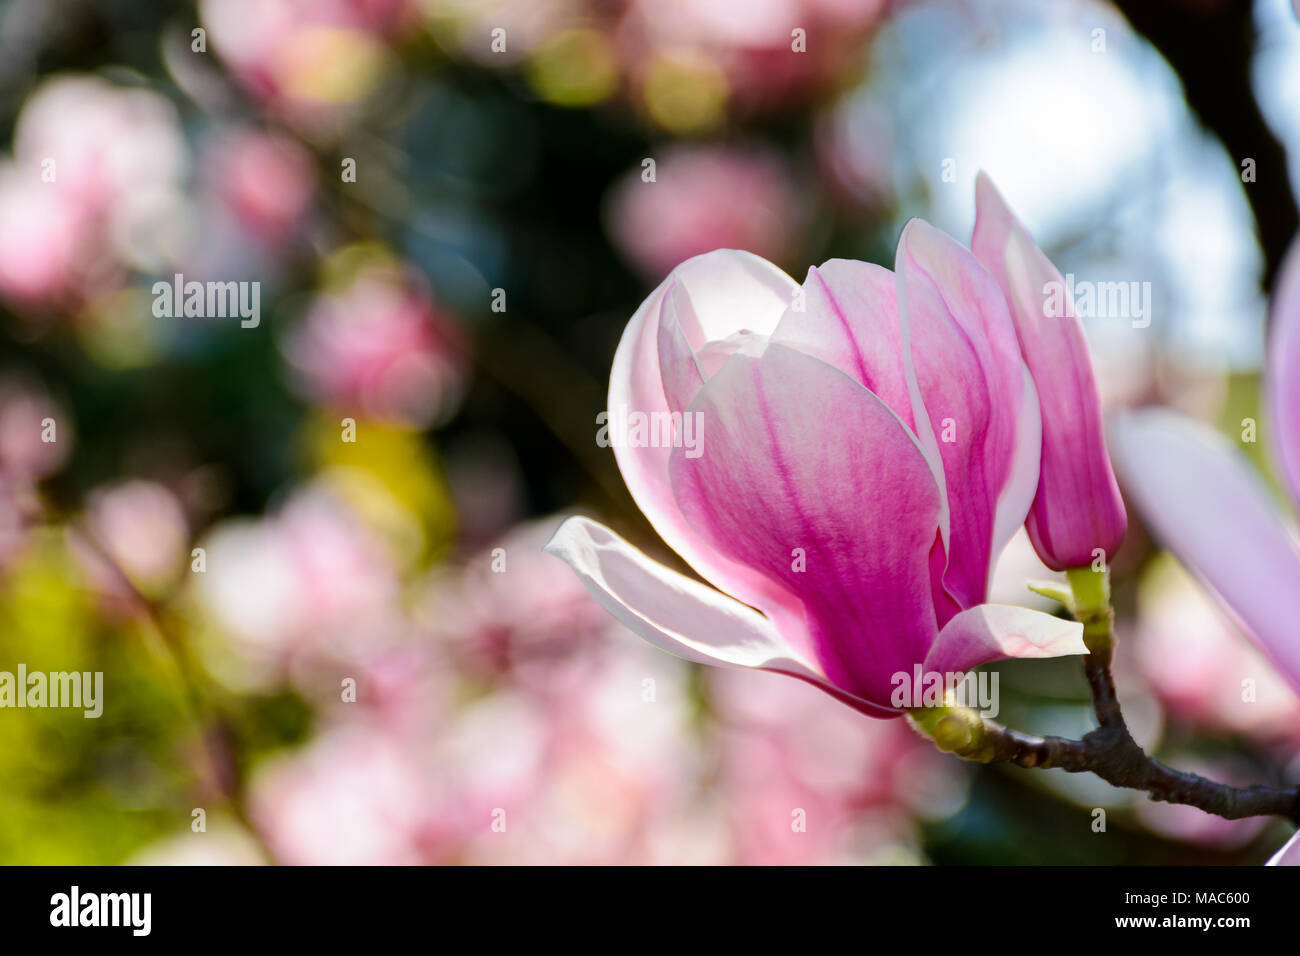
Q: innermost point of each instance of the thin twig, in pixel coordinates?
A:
(1109, 751)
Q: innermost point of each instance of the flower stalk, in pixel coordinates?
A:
(1109, 751)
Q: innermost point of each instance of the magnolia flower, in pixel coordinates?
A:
(1077, 509)
(864, 445)
(1209, 507)
(1205, 503)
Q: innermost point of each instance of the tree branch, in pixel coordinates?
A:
(1110, 751)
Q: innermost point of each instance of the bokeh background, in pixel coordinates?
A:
(505, 168)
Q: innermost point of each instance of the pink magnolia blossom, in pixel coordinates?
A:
(380, 347)
(784, 747)
(1206, 504)
(867, 443)
(1196, 661)
(351, 797)
(306, 58)
(301, 592)
(267, 181)
(703, 198)
(1077, 508)
(94, 186)
(43, 237)
(514, 614)
(1204, 501)
(141, 525)
(36, 434)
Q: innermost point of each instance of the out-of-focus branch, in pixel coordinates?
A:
(1194, 36)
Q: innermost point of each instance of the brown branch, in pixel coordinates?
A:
(1210, 46)
(1110, 751)
(1113, 755)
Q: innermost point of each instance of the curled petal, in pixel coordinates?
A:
(1021, 486)
(991, 632)
(970, 402)
(810, 479)
(679, 615)
(669, 346)
(1077, 507)
(1205, 503)
(849, 320)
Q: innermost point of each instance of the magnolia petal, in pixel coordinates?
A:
(1022, 483)
(1289, 855)
(1283, 385)
(679, 368)
(849, 320)
(1077, 508)
(969, 378)
(994, 631)
(810, 479)
(1204, 502)
(677, 614)
(707, 299)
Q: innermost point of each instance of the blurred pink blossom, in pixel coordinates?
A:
(307, 587)
(36, 436)
(380, 348)
(267, 180)
(28, 417)
(513, 613)
(43, 237)
(704, 198)
(135, 542)
(306, 58)
(614, 765)
(1207, 504)
(142, 526)
(95, 185)
(857, 784)
(1199, 662)
(351, 797)
(754, 42)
